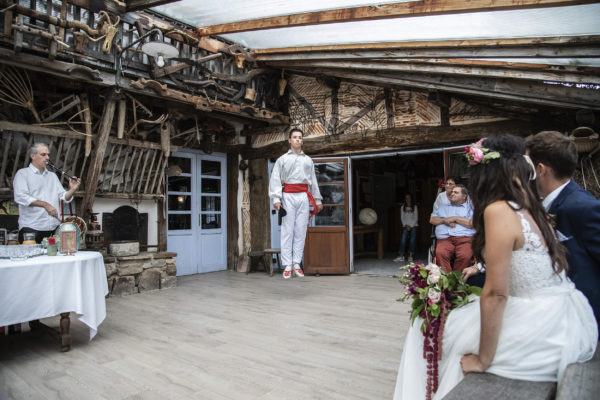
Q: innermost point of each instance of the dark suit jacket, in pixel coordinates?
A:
(578, 218)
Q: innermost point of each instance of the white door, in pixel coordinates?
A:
(275, 227)
(196, 211)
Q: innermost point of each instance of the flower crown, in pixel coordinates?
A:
(477, 154)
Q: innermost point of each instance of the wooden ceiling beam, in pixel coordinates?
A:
(543, 73)
(571, 52)
(383, 11)
(439, 44)
(536, 93)
(134, 5)
(395, 138)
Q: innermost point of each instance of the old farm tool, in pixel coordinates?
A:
(15, 88)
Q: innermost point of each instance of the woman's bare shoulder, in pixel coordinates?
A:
(497, 207)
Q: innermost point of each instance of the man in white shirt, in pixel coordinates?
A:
(292, 186)
(38, 193)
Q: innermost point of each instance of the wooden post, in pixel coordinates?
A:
(91, 182)
(162, 224)
(122, 114)
(87, 117)
(233, 226)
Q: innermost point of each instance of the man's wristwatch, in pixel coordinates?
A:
(480, 267)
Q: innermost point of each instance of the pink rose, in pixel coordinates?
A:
(477, 155)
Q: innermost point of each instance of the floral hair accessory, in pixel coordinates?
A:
(477, 154)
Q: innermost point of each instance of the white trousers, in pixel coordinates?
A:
(293, 227)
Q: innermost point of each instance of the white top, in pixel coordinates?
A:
(30, 185)
(45, 286)
(440, 200)
(293, 168)
(547, 202)
(409, 218)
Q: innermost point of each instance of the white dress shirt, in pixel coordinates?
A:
(30, 185)
(547, 202)
(293, 168)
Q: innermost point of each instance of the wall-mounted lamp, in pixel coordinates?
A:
(158, 49)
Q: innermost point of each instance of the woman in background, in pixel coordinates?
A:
(409, 216)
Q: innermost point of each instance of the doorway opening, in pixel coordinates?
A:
(381, 183)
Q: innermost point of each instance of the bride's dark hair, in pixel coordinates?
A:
(507, 178)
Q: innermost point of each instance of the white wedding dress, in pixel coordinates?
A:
(547, 324)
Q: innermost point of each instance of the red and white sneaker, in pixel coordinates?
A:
(298, 271)
(287, 272)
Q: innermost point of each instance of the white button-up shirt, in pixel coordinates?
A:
(293, 168)
(30, 185)
(547, 202)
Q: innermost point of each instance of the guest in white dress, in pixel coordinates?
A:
(530, 321)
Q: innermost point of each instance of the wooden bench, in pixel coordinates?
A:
(581, 381)
(265, 257)
(269, 259)
(257, 256)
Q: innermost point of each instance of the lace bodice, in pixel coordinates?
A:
(531, 265)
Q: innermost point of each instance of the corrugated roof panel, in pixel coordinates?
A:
(543, 22)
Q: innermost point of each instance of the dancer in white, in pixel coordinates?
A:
(292, 186)
(530, 322)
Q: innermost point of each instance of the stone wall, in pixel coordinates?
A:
(145, 271)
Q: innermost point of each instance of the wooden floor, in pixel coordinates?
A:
(223, 335)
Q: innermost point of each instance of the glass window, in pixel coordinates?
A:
(331, 216)
(332, 194)
(179, 202)
(212, 168)
(211, 221)
(182, 162)
(211, 185)
(179, 184)
(211, 203)
(179, 222)
(330, 171)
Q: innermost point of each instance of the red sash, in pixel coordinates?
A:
(299, 188)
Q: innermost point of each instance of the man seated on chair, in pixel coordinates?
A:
(453, 231)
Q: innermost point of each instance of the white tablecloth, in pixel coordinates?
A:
(44, 286)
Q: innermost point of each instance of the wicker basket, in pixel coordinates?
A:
(585, 139)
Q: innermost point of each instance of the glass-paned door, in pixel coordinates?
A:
(196, 193)
(327, 249)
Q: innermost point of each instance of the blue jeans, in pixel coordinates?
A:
(413, 240)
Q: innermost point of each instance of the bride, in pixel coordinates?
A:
(530, 322)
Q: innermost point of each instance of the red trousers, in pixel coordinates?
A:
(459, 245)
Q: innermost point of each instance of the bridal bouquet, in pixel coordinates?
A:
(434, 294)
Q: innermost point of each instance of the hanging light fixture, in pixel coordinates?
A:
(159, 50)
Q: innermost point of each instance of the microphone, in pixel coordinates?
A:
(54, 167)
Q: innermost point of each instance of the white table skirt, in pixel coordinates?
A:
(42, 287)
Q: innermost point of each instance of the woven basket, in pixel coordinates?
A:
(585, 139)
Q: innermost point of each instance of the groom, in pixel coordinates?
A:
(576, 212)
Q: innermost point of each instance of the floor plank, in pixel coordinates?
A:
(223, 335)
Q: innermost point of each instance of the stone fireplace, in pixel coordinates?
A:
(129, 270)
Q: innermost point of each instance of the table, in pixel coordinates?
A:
(362, 229)
(44, 286)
